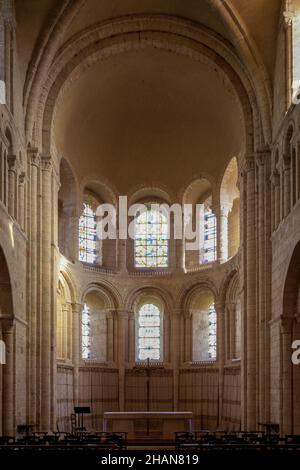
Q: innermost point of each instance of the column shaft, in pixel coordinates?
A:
(8, 384)
(286, 377)
(175, 332)
(11, 160)
(76, 320)
(110, 337)
(261, 289)
(122, 335)
(287, 187)
(220, 310)
(251, 296)
(46, 320)
(33, 273)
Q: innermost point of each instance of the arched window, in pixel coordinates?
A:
(94, 329)
(89, 245)
(210, 235)
(230, 211)
(204, 327)
(151, 239)
(149, 333)
(86, 332)
(212, 332)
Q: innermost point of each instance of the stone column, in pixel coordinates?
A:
(33, 277)
(65, 330)
(21, 198)
(231, 326)
(175, 334)
(122, 335)
(286, 375)
(276, 199)
(287, 184)
(261, 255)
(250, 271)
(220, 311)
(167, 339)
(12, 178)
(227, 333)
(267, 287)
(9, 382)
(76, 348)
(221, 214)
(46, 313)
(131, 338)
(187, 337)
(110, 336)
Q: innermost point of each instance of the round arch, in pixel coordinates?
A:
(103, 188)
(201, 285)
(198, 43)
(135, 297)
(44, 55)
(155, 190)
(230, 286)
(109, 294)
(66, 280)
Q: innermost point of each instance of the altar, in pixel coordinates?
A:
(148, 423)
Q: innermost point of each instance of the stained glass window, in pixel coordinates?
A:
(212, 332)
(87, 235)
(86, 332)
(151, 239)
(210, 236)
(149, 333)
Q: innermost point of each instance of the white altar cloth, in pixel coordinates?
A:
(147, 423)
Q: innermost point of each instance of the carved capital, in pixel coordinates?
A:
(220, 307)
(262, 155)
(34, 156)
(22, 177)
(176, 313)
(289, 14)
(122, 314)
(66, 307)
(77, 307)
(46, 163)
(12, 162)
(187, 314)
(275, 178)
(110, 314)
(248, 166)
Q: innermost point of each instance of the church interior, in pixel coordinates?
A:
(140, 339)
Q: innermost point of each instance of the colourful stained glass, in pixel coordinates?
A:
(87, 235)
(149, 333)
(210, 237)
(212, 332)
(151, 239)
(86, 332)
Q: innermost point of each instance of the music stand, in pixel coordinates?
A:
(80, 411)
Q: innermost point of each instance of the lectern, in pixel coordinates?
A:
(79, 412)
